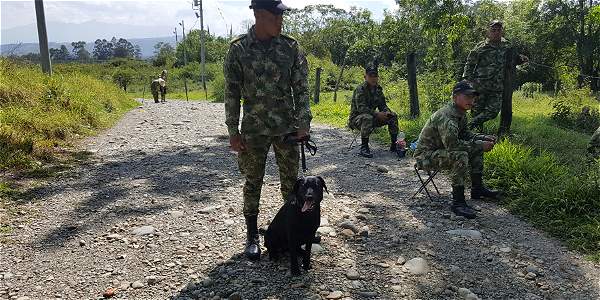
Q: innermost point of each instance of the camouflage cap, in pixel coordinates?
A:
(496, 23)
(371, 70)
(464, 87)
(276, 7)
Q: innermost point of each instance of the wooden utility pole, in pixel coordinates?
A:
(43, 37)
(411, 64)
(317, 85)
(175, 32)
(202, 52)
(184, 59)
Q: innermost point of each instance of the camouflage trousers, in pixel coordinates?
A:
(252, 166)
(486, 107)
(459, 163)
(367, 122)
(156, 89)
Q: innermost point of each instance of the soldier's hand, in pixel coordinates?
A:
(381, 117)
(301, 134)
(487, 146)
(491, 138)
(237, 143)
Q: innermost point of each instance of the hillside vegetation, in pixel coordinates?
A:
(39, 114)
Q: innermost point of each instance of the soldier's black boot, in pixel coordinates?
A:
(364, 148)
(459, 205)
(252, 250)
(479, 190)
(393, 139)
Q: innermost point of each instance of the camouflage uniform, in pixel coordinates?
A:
(272, 80)
(362, 114)
(158, 86)
(446, 143)
(485, 69)
(594, 144)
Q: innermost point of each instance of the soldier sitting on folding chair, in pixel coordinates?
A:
(446, 143)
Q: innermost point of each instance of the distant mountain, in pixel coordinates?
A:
(147, 45)
(88, 31)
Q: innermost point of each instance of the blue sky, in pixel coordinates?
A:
(160, 17)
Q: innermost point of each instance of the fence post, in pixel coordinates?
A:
(317, 85)
(506, 111)
(411, 64)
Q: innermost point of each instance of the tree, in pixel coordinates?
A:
(79, 51)
(164, 55)
(215, 47)
(123, 48)
(61, 54)
(123, 76)
(103, 49)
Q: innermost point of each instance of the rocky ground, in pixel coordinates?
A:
(155, 213)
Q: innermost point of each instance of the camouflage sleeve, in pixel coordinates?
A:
(469, 71)
(359, 97)
(382, 105)
(449, 132)
(232, 71)
(300, 89)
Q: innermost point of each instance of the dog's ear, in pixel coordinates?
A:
(323, 183)
(294, 193)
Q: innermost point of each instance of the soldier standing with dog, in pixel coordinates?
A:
(270, 72)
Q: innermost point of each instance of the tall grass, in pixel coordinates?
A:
(39, 113)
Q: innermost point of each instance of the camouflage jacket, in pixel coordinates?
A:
(594, 145)
(272, 80)
(485, 65)
(446, 129)
(365, 100)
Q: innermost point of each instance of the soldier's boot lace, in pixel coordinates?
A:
(252, 250)
(459, 205)
(479, 190)
(364, 148)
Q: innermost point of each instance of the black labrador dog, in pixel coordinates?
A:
(296, 223)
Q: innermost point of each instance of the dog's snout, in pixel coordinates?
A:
(309, 193)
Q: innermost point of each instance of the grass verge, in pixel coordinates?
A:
(40, 115)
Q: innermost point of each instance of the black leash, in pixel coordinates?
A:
(305, 142)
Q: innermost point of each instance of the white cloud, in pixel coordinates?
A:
(219, 15)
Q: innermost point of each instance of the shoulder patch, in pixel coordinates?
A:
(238, 38)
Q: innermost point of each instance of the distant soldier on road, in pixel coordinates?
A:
(485, 68)
(269, 71)
(159, 86)
(445, 142)
(369, 110)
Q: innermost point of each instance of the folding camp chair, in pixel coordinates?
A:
(425, 182)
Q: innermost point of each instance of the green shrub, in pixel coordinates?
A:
(40, 112)
(548, 194)
(574, 110)
(529, 89)
(218, 88)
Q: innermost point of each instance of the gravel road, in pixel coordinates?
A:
(156, 213)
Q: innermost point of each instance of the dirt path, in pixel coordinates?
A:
(156, 214)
